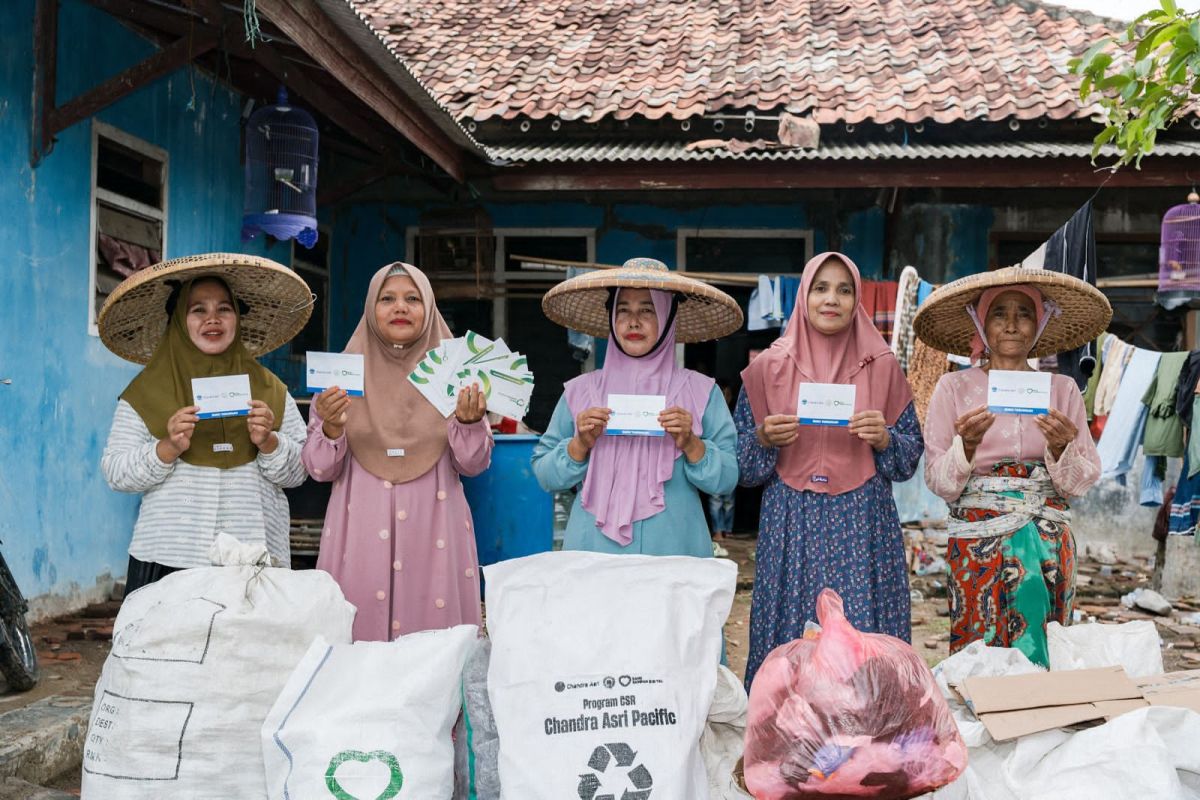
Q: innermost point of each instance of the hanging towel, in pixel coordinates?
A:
(1115, 362)
(1185, 507)
(1164, 429)
(1185, 392)
(906, 309)
(879, 300)
(1118, 445)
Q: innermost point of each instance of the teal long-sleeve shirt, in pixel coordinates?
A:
(680, 528)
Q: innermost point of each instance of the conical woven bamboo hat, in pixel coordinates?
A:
(942, 321)
(705, 312)
(134, 317)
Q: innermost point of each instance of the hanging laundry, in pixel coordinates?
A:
(1185, 507)
(879, 300)
(1154, 470)
(765, 308)
(924, 289)
(906, 309)
(1164, 429)
(1123, 432)
(1115, 362)
(1185, 392)
(1089, 394)
(1072, 250)
(925, 369)
(786, 289)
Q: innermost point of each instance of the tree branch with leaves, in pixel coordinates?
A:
(1144, 81)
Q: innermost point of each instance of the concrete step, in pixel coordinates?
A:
(45, 739)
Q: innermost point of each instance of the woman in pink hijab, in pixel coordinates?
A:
(1008, 477)
(398, 534)
(640, 494)
(828, 518)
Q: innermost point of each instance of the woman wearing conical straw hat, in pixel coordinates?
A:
(640, 494)
(197, 317)
(828, 516)
(1008, 476)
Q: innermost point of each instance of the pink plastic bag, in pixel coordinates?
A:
(847, 714)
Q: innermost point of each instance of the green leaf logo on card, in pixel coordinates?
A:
(395, 778)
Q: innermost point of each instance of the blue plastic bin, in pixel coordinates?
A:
(513, 516)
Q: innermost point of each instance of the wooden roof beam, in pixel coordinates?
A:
(305, 23)
(1050, 173)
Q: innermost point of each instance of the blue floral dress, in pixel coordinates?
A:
(808, 541)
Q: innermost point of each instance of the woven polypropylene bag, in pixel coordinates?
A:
(848, 714)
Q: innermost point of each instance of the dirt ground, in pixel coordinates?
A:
(72, 649)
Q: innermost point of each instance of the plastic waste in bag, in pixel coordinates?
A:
(848, 714)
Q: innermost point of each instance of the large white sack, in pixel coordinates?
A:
(1132, 645)
(602, 672)
(1148, 753)
(370, 719)
(197, 660)
(724, 736)
(1144, 754)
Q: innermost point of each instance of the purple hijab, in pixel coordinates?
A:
(626, 474)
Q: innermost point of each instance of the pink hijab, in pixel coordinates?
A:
(827, 460)
(392, 414)
(1045, 312)
(626, 474)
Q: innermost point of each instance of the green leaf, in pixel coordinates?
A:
(1169, 7)
(1093, 51)
(1102, 138)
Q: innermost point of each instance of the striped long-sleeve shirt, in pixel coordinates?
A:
(184, 506)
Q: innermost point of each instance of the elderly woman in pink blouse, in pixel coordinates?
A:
(1008, 477)
(398, 534)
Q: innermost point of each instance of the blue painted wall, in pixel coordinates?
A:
(61, 525)
(944, 241)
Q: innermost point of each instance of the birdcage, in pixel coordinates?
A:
(281, 173)
(1179, 254)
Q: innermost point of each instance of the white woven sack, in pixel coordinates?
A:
(369, 720)
(602, 672)
(197, 660)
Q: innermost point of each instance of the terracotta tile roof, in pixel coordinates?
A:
(840, 60)
(550, 152)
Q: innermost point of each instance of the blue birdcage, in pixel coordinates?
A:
(281, 173)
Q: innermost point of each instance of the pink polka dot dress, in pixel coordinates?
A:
(403, 554)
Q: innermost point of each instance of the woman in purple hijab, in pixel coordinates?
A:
(640, 494)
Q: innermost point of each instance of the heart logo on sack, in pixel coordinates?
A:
(396, 777)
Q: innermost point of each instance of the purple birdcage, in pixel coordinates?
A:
(1179, 254)
(281, 173)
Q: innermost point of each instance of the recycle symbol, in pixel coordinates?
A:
(619, 755)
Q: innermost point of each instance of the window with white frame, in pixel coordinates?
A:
(129, 211)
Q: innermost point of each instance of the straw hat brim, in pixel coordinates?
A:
(134, 317)
(942, 321)
(705, 312)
